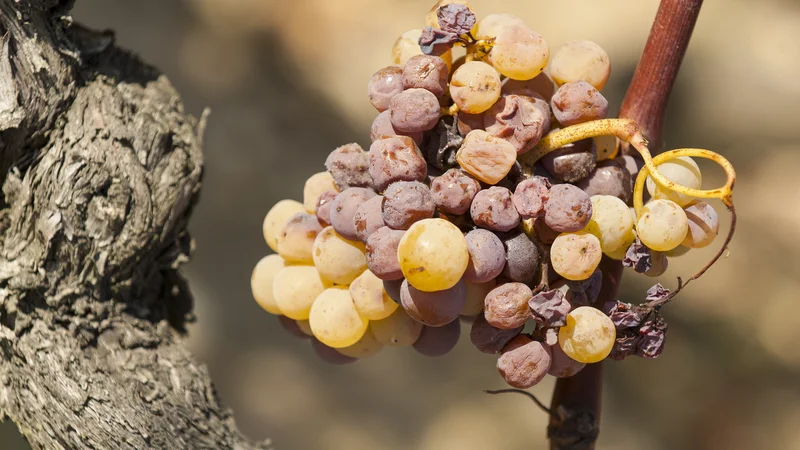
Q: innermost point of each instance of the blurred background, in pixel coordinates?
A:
(286, 84)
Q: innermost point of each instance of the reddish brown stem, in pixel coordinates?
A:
(577, 401)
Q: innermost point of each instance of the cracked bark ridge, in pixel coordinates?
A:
(100, 167)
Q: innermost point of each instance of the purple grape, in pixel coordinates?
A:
(323, 209)
(453, 191)
(489, 339)
(506, 306)
(522, 258)
(487, 257)
(395, 159)
(349, 165)
(567, 209)
(426, 72)
(545, 234)
(382, 253)
(392, 288)
(530, 196)
(524, 362)
(541, 86)
(330, 355)
(468, 122)
(382, 128)
(435, 309)
(609, 178)
(562, 366)
(577, 102)
(343, 210)
(572, 162)
(406, 202)
(522, 121)
(493, 209)
(369, 217)
(385, 84)
(414, 110)
(632, 163)
(438, 341)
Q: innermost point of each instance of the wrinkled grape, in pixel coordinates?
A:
(382, 253)
(405, 203)
(395, 159)
(368, 217)
(506, 306)
(487, 256)
(524, 362)
(349, 166)
(520, 120)
(493, 209)
(577, 102)
(414, 110)
(522, 258)
(343, 210)
(530, 196)
(382, 128)
(609, 178)
(426, 72)
(486, 157)
(453, 191)
(568, 208)
(572, 162)
(385, 84)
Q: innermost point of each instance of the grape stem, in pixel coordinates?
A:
(527, 394)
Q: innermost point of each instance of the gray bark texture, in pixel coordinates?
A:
(100, 168)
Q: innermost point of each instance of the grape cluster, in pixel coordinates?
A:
(447, 215)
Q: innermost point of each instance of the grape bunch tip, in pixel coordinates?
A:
(491, 191)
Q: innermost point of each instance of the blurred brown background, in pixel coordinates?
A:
(286, 83)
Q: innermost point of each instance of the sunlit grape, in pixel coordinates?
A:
(683, 171)
(519, 53)
(370, 298)
(612, 222)
(575, 256)
(297, 238)
(490, 26)
(475, 86)
(433, 255)
(335, 320)
(663, 225)
(262, 279)
(314, 187)
(486, 157)
(295, 288)
(588, 336)
(581, 60)
(338, 259)
(276, 218)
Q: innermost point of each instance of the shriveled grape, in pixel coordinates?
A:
(381, 252)
(385, 84)
(567, 209)
(407, 202)
(524, 363)
(468, 122)
(382, 128)
(506, 306)
(520, 120)
(349, 166)
(414, 110)
(434, 309)
(487, 256)
(572, 162)
(323, 209)
(392, 288)
(486, 157)
(368, 217)
(395, 159)
(577, 102)
(494, 209)
(426, 72)
(343, 210)
(609, 178)
(530, 197)
(453, 191)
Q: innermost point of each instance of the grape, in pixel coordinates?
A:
(703, 225)
(522, 258)
(506, 306)
(382, 253)
(588, 336)
(663, 225)
(297, 238)
(335, 320)
(432, 18)
(489, 339)
(305, 327)
(567, 209)
(349, 166)
(683, 171)
(405, 203)
(468, 122)
(426, 72)
(261, 282)
(370, 298)
(292, 327)
(619, 254)
(545, 234)
(276, 219)
(486, 157)
(414, 110)
(577, 102)
(453, 191)
(575, 256)
(572, 162)
(397, 330)
(633, 164)
(315, 186)
(486, 256)
(392, 288)
(407, 46)
(433, 255)
(368, 217)
(678, 251)
(490, 26)
(562, 366)
(606, 146)
(434, 309)
(609, 178)
(382, 128)
(343, 210)
(524, 363)
(474, 87)
(438, 341)
(323, 209)
(581, 60)
(385, 84)
(365, 347)
(329, 355)
(476, 296)
(540, 86)
(295, 288)
(612, 222)
(493, 209)
(338, 259)
(519, 53)
(395, 159)
(530, 196)
(520, 120)
(658, 264)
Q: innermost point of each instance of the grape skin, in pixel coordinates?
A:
(530, 197)
(432, 18)
(395, 159)
(369, 297)
(323, 209)
(703, 225)
(438, 341)
(385, 84)
(663, 225)
(382, 253)
(489, 339)
(520, 120)
(487, 257)
(683, 171)
(434, 309)
(486, 157)
(315, 186)
(365, 347)
(468, 122)
(453, 191)
(474, 87)
(577, 102)
(335, 320)
(261, 282)
(522, 258)
(519, 53)
(494, 209)
(572, 162)
(276, 219)
(392, 288)
(588, 336)
(581, 60)
(476, 296)
(405, 203)
(414, 110)
(349, 166)
(612, 222)
(506, 306)
(397, 330)
(490, 26)
(343, 210)
(433, 255)
(567, 209)
(295, 288)
(609, 178)
(575, 256)
(426, 72)
(369, 218)
(540, 86)
(297, 238)
(524, 363)
(382, 128)
(562, 366)
(338, 259)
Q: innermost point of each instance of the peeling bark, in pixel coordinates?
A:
(100, 167)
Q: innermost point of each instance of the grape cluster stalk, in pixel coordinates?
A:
(492, 192)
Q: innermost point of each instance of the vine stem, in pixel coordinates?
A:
(577, 401)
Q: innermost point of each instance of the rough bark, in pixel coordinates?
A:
(100, 167)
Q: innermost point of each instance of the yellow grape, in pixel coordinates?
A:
(365, 347)
(433, 255)
(295, 288)
(276, 218)
(490, 26)
(407, 46)
(519, 53)
(574, 256)
(370, 298)
(581, 60)
(397, 330)
(305, 327)
(682, 170)
(588, 336)
(611, 223)
(619, 254)
(297, 238)
(315, 186)
(262, 279)
(338, 259)
(475, 87)
(663, 225)
(335, 320)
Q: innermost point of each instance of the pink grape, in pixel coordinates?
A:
(577, 102)
(435, 309)
(522, 258)
(520, 120)
(567, 209)
(506, 306)
(524, 363)
(426, 72)
(385, 84)
(381, 252)
(486, 256)
(453, 191)
(395, 159)
(382, 128)
(369, 217)
(414, 110)
(343, 210)
(493, 209)
(406, 202)
(530, 196)
(349, 166)
(489, 339)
